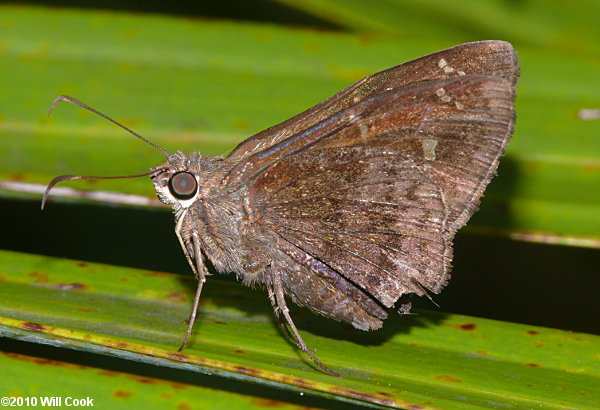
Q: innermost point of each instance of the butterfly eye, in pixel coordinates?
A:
(183, 185)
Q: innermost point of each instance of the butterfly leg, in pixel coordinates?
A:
(200, 271)
(277, 298)
(201, 268)
(282, 326)
(186, 252)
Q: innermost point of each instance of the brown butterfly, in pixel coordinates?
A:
(351, 206)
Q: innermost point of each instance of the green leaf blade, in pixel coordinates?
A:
(93, 306)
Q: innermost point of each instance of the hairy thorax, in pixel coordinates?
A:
(217, 213)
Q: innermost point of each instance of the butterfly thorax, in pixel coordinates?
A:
(216, 214)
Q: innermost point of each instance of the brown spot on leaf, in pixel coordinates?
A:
(177, 296)
(179, 386)
(385, 394)
(47, 362)
(267, 403)
(40, 277)
(34, 327)
(532, 364)
(533, 332)
(304, 383)
(17, 176)
(468, 326)
(239, 351)
(246, 370)
(82, 264)
(38, 360)
(159, 274)
(166, 395)
(179, 357)
(219, 322)
(184, 406)
(2, 277)
(123, 393)
(448, 378)
(531, 168)
(364, 40)
(363, 396)
(145, 380)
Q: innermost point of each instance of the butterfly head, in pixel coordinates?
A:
(177, 182)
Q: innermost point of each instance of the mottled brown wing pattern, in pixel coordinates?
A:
(491, 58)
(377, 209)
(377, 202)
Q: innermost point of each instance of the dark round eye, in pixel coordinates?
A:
(183, 185)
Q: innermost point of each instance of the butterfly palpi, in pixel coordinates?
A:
(351, 206)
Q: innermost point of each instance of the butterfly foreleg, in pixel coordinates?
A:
(196, 262)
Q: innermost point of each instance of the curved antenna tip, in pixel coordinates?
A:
(56, 101)
(56, 181)
(95, 111)
(76, 177)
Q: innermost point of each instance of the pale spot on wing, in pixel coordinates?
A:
(443, 64)
(442, 94)
(363, 130)
(415, 212)
(429, 146)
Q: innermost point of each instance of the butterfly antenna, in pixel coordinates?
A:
(62, 178)
(95, 111)
(76, 177)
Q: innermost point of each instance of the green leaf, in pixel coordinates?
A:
(204, 86)
(426, 360)
(71, 384)
(534, 23)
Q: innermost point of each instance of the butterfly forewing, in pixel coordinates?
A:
(377, 201)
(492, 58)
